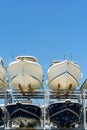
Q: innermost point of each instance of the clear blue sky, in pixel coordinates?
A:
(46, 29)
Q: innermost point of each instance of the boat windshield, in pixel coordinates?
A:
(54, 62)
(29, 58)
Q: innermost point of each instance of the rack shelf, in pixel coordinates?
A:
(45, 97)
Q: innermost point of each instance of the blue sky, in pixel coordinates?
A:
(46, 29)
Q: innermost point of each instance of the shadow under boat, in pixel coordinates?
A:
(65, 114)
(24, 114)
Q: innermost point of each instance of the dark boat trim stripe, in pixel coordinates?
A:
(29, 75)
(2, 80)
(24, 111)
(63, 111)
(64, 73)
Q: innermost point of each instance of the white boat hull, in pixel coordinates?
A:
(25, 83)
(64, 82)
(25, 75)
(3, 76)
(63, 75)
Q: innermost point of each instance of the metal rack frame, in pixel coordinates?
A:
(46, 96)
(51, 96)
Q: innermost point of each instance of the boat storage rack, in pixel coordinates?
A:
(43, 98)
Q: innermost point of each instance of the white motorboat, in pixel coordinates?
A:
(26, 74)
(63, 75)
(3, 75)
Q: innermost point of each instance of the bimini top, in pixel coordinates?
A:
(29, 58)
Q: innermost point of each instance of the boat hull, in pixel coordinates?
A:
(26, 75)
(24, 114)
(3, 76)
(65, 114)
(64, 75)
